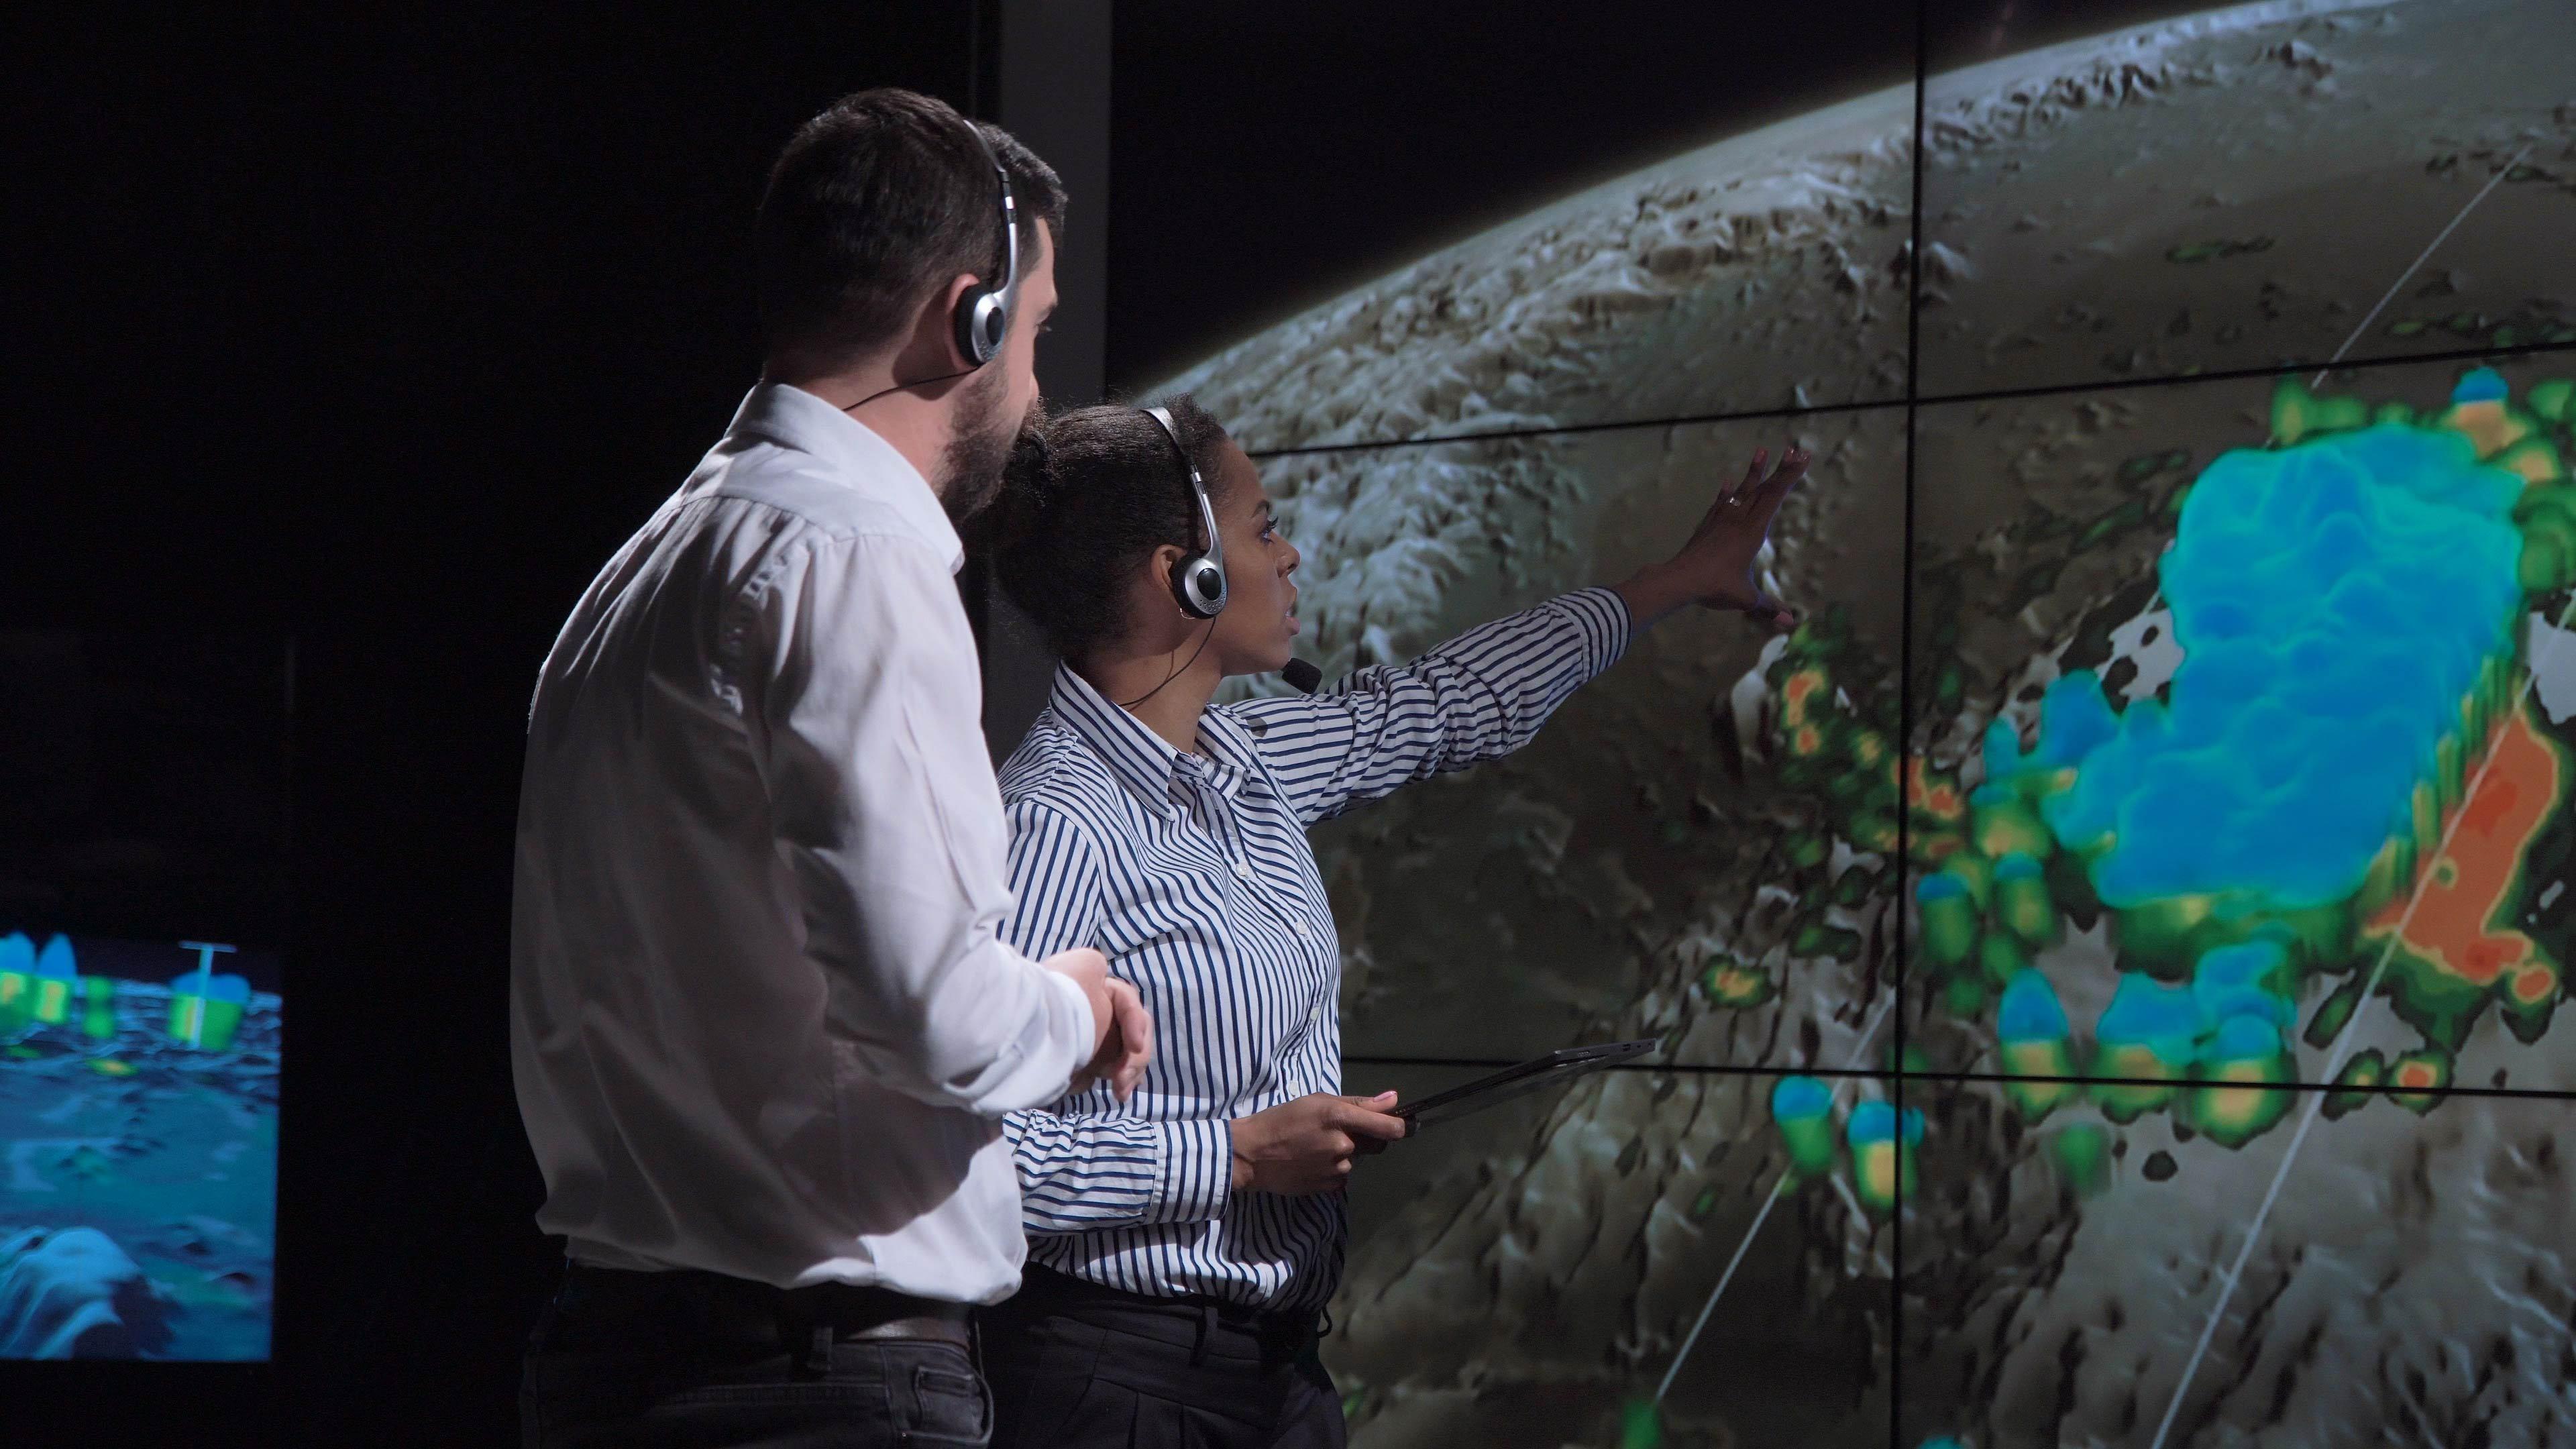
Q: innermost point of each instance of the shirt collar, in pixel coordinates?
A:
(1144, 761)
(852, 453)
(1237, 761)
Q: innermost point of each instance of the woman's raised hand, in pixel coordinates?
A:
(1716, 568)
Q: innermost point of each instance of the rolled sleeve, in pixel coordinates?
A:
(888, 817)
(1601, 620)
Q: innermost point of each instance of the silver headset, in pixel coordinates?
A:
(983, 318)
(1198, 580)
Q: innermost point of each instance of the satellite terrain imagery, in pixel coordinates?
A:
(2109, 957)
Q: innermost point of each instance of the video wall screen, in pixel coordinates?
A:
(2107, 958)
(143, 786)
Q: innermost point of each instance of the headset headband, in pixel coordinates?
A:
(984, 313)
(1198, 580)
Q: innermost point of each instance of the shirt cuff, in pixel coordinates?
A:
(1602, 617)
(1069, 990)
(1193, 1171)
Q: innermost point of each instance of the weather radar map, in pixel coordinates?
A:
(2343, 773)
(2109, 958)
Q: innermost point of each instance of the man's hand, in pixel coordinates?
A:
(1122, 1031)
(1128, 1047)
(1305, 1147)
(1715, 568)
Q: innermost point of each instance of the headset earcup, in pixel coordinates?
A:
(981, 325)
(1199, 585)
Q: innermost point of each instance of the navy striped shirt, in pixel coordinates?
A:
(1192, 873)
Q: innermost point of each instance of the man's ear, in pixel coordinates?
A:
(934, 331)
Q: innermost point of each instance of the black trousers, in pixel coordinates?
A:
(701, 1361)
(1077, 1366)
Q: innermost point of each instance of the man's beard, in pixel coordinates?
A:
(978, 449)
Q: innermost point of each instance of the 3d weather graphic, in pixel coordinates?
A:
(138, 1195)
(2345, 776)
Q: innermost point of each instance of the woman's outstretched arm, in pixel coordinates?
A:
(1486, 693)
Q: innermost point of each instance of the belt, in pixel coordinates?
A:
(923, 1327)
(740, 1307)
(1187, 1321)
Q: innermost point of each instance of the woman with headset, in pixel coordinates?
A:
(1183, 1243)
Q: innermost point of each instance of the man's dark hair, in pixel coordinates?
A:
(874, 203)
(1087, 496)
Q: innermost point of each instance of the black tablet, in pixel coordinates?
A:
(1554, 1069)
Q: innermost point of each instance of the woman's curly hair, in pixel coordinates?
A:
(1087, 496)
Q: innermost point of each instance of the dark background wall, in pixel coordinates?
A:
(1051, 87)
(1269, 157)
(1385, 135)
(380, 331)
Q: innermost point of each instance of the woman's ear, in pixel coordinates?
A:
(1156, 582)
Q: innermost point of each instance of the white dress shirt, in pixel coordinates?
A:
(761, 1019)
(1193, 873)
